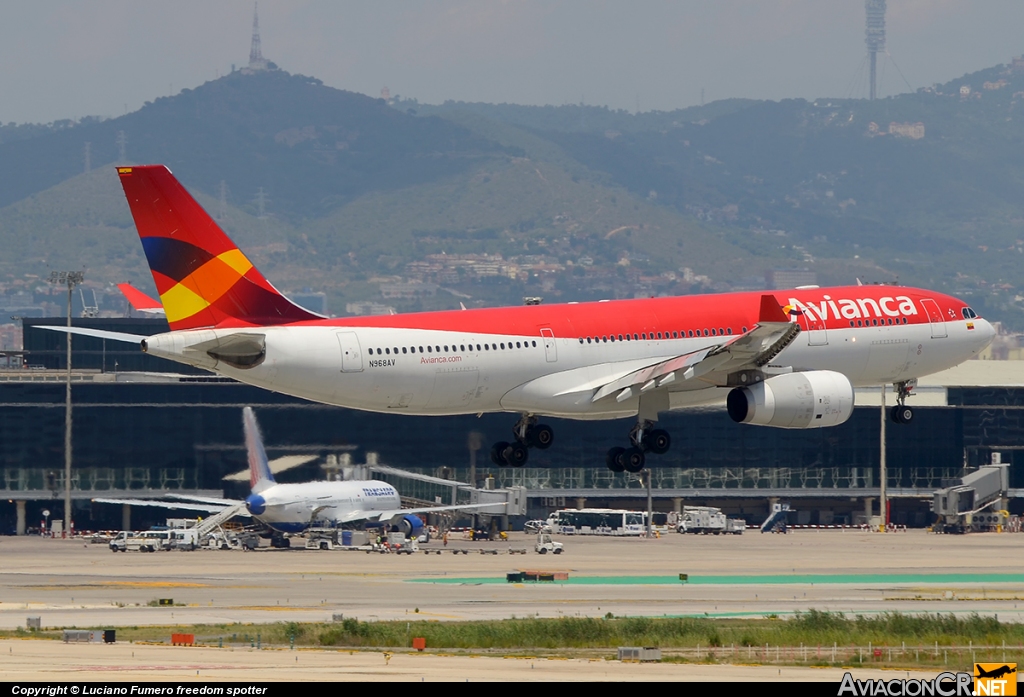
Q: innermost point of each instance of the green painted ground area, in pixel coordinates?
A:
(774, 579)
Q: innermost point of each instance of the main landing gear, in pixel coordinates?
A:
(901, 413)
(528, 434)
(644, 439)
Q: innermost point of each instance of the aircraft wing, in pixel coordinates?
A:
(399, 512)
(204, 499)
(175, 505)
(98, 333)
(712, 365)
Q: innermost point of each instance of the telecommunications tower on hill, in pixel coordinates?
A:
(874, 33)
(256, 59)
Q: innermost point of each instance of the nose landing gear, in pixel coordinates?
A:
(644, 439)
(528, 433)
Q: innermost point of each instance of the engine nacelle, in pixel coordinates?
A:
(411, 525)
(813, 399)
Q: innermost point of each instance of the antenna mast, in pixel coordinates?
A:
(874, 34)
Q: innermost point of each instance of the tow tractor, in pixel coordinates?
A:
(545, 544)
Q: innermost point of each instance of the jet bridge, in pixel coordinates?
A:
(971, 505)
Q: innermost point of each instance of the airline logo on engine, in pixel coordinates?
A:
(861, 308)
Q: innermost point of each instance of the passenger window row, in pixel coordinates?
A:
(655, 336)
(877, 323)
(461, 347)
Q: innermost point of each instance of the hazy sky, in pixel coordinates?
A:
(71, 58)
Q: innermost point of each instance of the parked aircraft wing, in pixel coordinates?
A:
(399, 512)
(204, 507)
(204, 499)
(712, 365)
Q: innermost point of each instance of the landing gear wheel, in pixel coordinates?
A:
(516, 454)
(632, 460)
(612, 460)
(540, 436)
(902, 414)
(658, 441)
(498, 453)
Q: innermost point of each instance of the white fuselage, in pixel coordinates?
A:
(543, 375)
(294, 507)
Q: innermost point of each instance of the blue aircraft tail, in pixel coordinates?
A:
(260, 477)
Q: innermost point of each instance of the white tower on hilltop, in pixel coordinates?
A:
(874, 34)
(256, 59)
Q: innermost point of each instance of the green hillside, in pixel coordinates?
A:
(569, 202)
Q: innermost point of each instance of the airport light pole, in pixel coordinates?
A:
(650, 505)
(882, 503)
(69, 279)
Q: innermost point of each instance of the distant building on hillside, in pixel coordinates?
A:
(368, 308)
(407, 291)
(907, 130)
(1018, 64)
(778, 279)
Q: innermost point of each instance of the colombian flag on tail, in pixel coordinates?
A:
(203, 279)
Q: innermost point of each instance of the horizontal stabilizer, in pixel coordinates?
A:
(277, 465)
(97, 333)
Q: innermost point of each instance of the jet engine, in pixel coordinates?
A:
(796, 400)
(410, 525)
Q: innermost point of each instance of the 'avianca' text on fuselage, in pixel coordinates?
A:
(786, 359)
(861, 308)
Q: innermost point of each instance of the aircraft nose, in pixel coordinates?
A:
(256, 504)
(985, 333)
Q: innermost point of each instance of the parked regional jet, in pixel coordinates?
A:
(787, 359)
(295, 507)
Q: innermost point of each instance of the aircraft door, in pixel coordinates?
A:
(550, 350)
(935, 317)
(351, 355)
(815, 328)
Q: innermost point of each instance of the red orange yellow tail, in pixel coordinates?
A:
(203, 279)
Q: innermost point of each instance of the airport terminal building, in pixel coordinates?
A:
(143, 426)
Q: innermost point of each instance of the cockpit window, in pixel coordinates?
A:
(968, 313)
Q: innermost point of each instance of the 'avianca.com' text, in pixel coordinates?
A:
(440, 359)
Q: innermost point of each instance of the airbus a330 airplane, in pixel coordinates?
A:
(294, 507)
(788, 359)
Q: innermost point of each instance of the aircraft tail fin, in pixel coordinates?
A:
(260, 476)
(202, 277)
(139, 300)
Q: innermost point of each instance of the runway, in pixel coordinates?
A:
(68, 583)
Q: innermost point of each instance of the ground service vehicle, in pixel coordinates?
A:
(545, 544)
